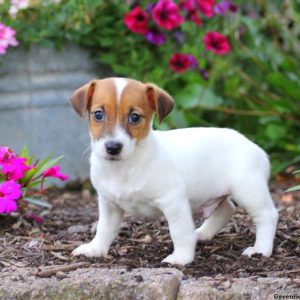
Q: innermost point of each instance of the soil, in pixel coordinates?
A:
(145, 242)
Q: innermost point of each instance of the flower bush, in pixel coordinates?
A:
(19, 175)
(7, 38)
(164, 20)
(227, 62)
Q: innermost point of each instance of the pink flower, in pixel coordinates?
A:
(15, 168)
(12, 166)
(166, 14)
(180, 62)
(10, 191)
(217, 42)
(16, 5)
(191, 9)
(137, 20)
(206, 7)
(55, 172)
(7, 38)
(6, 153)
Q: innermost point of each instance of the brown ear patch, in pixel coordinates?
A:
(160, 101)
(82, 98)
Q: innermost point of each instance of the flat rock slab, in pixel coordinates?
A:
(254, 288)
(93, 284)
(160, 283)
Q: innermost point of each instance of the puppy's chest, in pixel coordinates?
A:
(127, 192)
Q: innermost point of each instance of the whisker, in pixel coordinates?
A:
(87, 152)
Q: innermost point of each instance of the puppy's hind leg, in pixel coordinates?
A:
(255, 198)
(216, 221)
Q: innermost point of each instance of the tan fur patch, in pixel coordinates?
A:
(104, 98)
(134, 99)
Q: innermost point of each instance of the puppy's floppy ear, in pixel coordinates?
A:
(159, 100)
(82, 98)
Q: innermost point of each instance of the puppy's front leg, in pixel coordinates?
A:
(110, 218)
(177, 211)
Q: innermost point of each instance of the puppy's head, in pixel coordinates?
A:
(120, 113)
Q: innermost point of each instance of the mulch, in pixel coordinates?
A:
(145, 242)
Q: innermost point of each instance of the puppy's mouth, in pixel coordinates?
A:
(113, 158)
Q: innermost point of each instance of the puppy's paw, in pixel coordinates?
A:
(178, 259)
(202, 235)
(255, 250)
(89, 250)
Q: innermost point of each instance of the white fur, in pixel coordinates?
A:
(120, 84)
(118, 135)
(172, 172)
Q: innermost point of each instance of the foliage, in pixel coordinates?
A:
(254, 88)
(21, 175)
(296, 187)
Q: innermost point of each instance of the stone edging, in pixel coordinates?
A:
(162, 283)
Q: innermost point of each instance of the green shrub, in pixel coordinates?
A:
(255, 88)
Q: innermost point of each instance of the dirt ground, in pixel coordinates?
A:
(145, 242)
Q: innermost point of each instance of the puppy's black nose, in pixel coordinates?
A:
(113, 148)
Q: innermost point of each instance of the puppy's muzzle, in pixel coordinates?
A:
(113, 148)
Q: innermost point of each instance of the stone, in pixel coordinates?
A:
(207, 288)
(35, 110)
(120, 283)
(89, 284)
(78, 229)
(86, 195)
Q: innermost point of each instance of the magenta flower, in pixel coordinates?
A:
(15, 168)
(10, 191)
(7, 38)
(166, 14)
(191, 11)
(12, 166)
(187, 5)
(6, 153)
(224, 7)
(137, 20)
(55, 172)
(217, 43)
(206, 7)
(155, 37)
(179, 62)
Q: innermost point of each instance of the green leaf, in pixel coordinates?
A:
(24, 152)
(45, 165)
(292, 189)
(38, 202)
(275, 131)
(284, 85)
(34, 184)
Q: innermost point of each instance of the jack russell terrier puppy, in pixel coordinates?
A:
(138, 170)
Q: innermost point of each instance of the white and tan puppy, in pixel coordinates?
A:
(137, 170)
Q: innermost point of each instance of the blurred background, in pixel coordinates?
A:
(227, 63)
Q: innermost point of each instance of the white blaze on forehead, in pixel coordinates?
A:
(120, 84)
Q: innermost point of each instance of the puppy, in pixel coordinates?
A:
(137, 170)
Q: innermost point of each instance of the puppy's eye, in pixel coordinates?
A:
(99, 115)
(134, 118)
